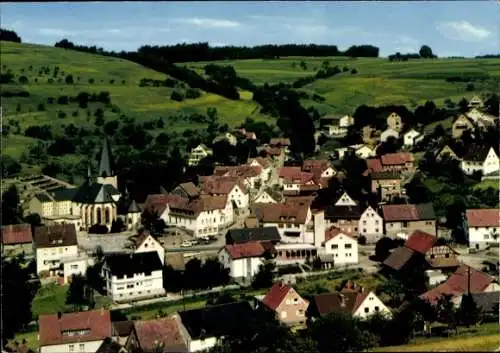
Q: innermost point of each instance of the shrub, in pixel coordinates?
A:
(354, 72)
(362, 240)
(18, 107)
(176, 96)
(469, 87)
(61, 115)
(69, 80)
(50, 80)
(75, 113)
(91, 80)
(23, 80)
(193, 93)
(63, 100)
(111, 82)
(41, 107)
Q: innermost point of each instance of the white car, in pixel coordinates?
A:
(188, 243)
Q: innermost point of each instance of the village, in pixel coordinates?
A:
(270, 226)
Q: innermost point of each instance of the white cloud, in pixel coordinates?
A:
(463, 30)
(210, 22)
(55, 32)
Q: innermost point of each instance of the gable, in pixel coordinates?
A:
(292, 298)
(341, 238)
(393, 116)
(345, 200)
(491, 154)
(371, 301)
(370, 212)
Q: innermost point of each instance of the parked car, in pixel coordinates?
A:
(188, 243)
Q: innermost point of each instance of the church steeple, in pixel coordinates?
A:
(106, 167)
(106, 162)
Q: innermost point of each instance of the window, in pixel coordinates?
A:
(348, 246)
(376, 222)
(300, 312)
(433, 256)
(364, 223)
(377, 308)
(81, 346)
(364, 230)
(367, 310)
(283, 314)
(447, 255)
(71, 347)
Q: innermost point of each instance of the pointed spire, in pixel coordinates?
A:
(106, 162)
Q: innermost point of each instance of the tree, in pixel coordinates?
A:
(426, 52)
(11, 206)
(177, 96)
(303, 65)
(468, 311)
(18, 108)
(118, 226)
(61, 114)
(463, 105)
(10, 166)
(17, 293)
(69, 80)
(9, 36)
(264, 278)
(76, 291)
(394, 289)
(23, 80)
(383, 247)
(341, 333)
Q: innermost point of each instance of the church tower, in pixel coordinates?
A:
(106, 167)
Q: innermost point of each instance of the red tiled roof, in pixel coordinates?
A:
(16, 234)
(165, 331)
(488, 217)
(244, 171)
(155, 203)
(264, 162)
(346, 302)
(310, 164)
(243, 250)
(397, 158)
(279, 142)
(220, 185)
(294, 213)
(289, 172)
(400, 213)
(176, 202)
(457, 284)
(51, 329)
(374, 165)
(334, 231)
(276, 295)
(420, 242)
(295, 175)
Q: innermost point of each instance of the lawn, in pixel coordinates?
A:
(484, 338)
(495, 184)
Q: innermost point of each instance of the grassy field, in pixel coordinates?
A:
(495, 184)
(377, 82)
(484, 338)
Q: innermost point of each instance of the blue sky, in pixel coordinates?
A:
(451, 28)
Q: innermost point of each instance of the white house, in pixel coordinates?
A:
(197, 154)
(344, 247)
(476, 102)
(133, 276)
(337, 126)
(264, 197)
(51, 245)
(74, 332)
(242, 260)
(250, 175)
(384, 136)
(364, 152)
(484, 227)
(480, 158)
(411, 137)
(345, 200)
(352, 299)
(75, 265)
(371, 225)
(145, 243)
(203, 216)
(265, 165)
(232, 187)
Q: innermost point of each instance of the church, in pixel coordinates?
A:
(96, 202)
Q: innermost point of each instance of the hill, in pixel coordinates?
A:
(377, 80)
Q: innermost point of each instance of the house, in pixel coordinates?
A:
(464, 280)
(481, 119)
(204, 327)
(364, 151)
(407, 218)
(345, 200)
(294, 178)
(264, 197)
(343, 246)
(204, 216)
(17, 239)
(446, 151)
(145, 242)
(384, 136)
(55, 206)
(395, 122)
(186, 190)
(412, 137)
(74, 332)
(336, 125)
(290, 308)
(245, 135)
(110, 346)
(242, 259)
(371, 225)
(51, 245)
(260, 234)
(480, 159)
(157, 335)
(228, 137)
(483, 227)
(129, 212)
(121, 331)
(400, 161)
(231, 187)
(476, 102)
(352, 300)
(249, 174)
(265, 164)
(197, 154)
(280, 142)
(74, 265)
(292, 219)
(461, 124)
(387, 185)
(321, 168)
(346, 218)
(133, 276)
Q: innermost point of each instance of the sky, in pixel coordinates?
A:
(450, 28)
